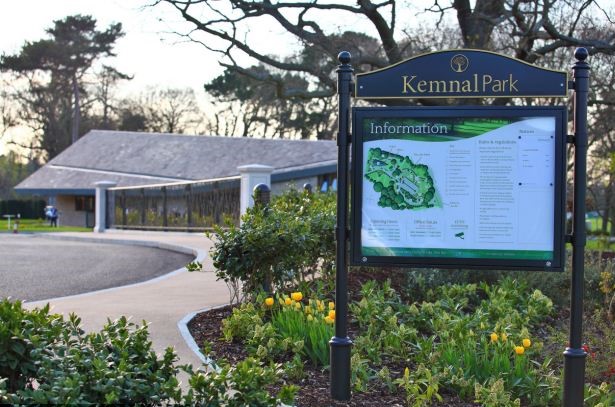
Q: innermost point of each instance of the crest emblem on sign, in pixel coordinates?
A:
(459, 63)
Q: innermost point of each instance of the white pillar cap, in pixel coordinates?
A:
(255, 168)
(105, 184)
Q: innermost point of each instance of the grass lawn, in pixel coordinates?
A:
(38, 225)
(599, 244)
(595, 224)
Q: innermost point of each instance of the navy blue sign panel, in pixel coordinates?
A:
(461, 73)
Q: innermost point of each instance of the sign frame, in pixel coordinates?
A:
(557, 262)
(481, 74)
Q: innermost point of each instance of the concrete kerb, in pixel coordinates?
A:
(183, 329)
(207, 361)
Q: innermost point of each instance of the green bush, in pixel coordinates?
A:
(240, 325)
(45, 359)
(278, 246)
(23, 332)
(115, 365)
(245, 384)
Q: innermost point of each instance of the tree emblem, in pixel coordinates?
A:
(459, 63)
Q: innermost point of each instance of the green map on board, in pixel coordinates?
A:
(402, 184)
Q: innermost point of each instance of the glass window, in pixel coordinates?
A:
(84, 203)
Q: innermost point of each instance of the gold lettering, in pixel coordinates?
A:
(454, 86)
(437, 83)
(512, 84)
(486, 82)
(467, 86)
(487, 79)
(408, 83)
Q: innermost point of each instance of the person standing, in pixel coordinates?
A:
(53, 216)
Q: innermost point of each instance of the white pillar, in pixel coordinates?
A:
(251, 176)
(101, 205)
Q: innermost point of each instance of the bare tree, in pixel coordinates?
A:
(8, 116)
(534, 29)
(106, 81)
(169, 110)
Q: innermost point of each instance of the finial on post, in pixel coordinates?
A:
(262, 194)
(344, 57)
(581, 53)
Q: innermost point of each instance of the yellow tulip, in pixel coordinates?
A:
(310, 317)
(320, 306)
(494, 337)
(331, 305)
(269, 302)
(332, 314)
(288, 301)
(296, 296)
(504, 336)
(329, 320)
(527, 343)
(298, 305)
(519, 350)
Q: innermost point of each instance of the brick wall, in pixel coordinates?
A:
(68, 216)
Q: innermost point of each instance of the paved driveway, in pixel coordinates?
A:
(33, 267)
(163, 302)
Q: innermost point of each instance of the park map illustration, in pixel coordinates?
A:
(402, 184)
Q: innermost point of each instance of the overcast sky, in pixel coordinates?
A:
(149, 51)
(145, 52)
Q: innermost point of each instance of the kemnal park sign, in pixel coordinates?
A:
(461, 74)
(467, 186)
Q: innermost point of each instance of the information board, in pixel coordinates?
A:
(479, 187)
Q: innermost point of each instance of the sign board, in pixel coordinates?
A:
(461, 74)
(476, 187)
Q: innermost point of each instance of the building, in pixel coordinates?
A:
(135, 158)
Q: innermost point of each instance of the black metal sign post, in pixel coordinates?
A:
(574, 356)
(340, 344)
(461, 74)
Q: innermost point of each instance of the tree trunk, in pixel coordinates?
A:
(76, 111)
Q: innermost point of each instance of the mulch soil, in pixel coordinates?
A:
(314, 387)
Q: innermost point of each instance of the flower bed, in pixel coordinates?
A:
(425, 337)
(457, 345)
